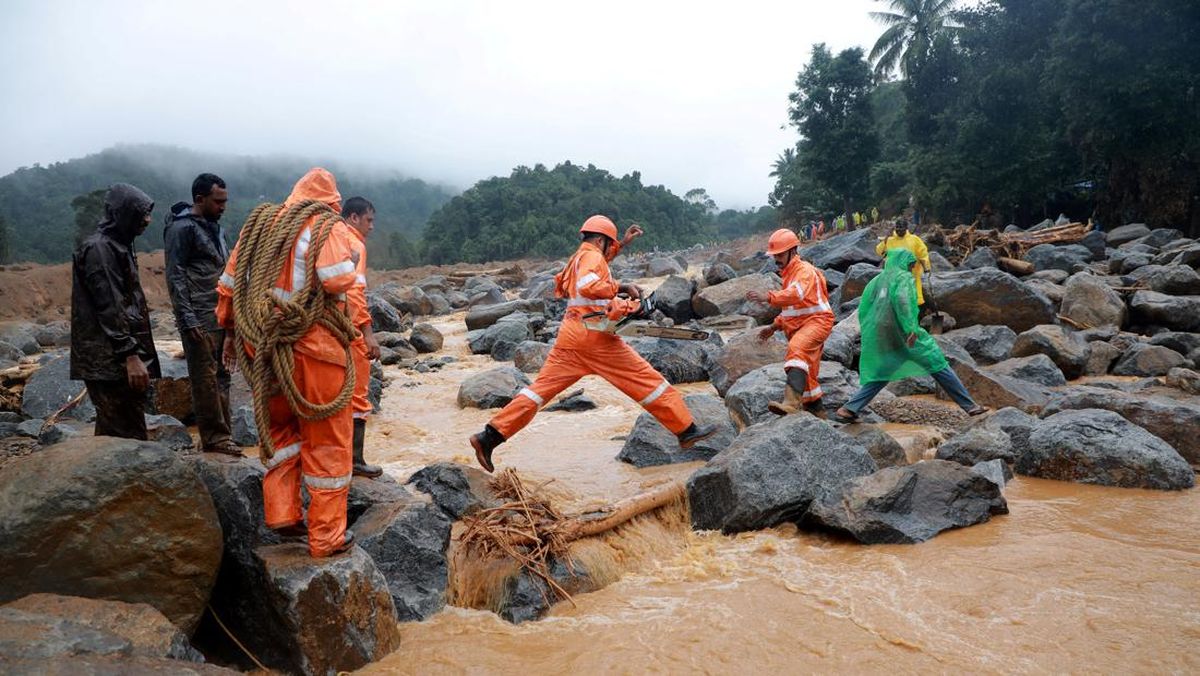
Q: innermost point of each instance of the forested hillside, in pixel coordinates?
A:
(40, 222)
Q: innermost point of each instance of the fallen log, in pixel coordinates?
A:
(1014, 266)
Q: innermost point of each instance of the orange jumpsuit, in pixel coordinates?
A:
(356, 298)
(315, 452)
(806, 319)
(589, 287)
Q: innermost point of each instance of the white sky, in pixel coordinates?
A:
(692, 94)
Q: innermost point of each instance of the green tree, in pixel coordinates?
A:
(913, 27)
(831, 109)
(89, 210)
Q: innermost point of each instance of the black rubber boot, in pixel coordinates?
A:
(817, 408)
(484, 443)
(294, 532)
(361, 468)
(694, 435)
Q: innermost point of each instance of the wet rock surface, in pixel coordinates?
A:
(1100, 447)
(674, 298)
(50, 388)
(458, 490)
(1088, 300)
(905, 505)
(1067, 351)
(160, 532)
(976, 445)
(408, 541)
(491, 389)
(1147, 360)
(1037, 368)
(1172, 421)
(841, 251)
(970, 297)
(985, 344)
(995, 390)
(741, 354)
(772, 473)
(884, 450)
(481, 317)
(679, 361)
(729, 298)
(426, 339)
(650, 444)
(1178, 313)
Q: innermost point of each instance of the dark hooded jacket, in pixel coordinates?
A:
(196, 254)
(109, 317)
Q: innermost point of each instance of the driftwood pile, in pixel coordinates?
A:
(1009, 247)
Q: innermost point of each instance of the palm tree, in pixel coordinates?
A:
(912, 27)
(783, 163)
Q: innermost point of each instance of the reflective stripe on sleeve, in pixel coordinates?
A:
(299, 265)
(802, 311)
(587, 279)
(531, 395)
(578, 302)
(282, 294)
(662, 387)
(329, 483)
(282, 455)
(814, 392)
(228, 280)
(361, 280)
(336, 270)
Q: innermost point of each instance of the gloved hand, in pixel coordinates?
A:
(619, 308)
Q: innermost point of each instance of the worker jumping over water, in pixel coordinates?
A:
(578, 351)
(807, 320)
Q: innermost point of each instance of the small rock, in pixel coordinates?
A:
(674, 298)
(574, 402)
(976, 445)
(530, 356)
(995, 471)
(481, 317)
(1101, 355)
(426, 339)
(491, 389)
(718, 273)
(456, 489)
(1016, 423)
(384, 317)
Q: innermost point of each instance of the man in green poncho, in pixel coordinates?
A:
(894, 346)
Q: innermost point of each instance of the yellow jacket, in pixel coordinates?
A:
(917, 246)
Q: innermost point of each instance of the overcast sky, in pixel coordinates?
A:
(692, 94)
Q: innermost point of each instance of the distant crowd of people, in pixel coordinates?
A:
(815, 230)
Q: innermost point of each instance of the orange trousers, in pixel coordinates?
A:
(805, 345)
(360, 405)
(603, 355)
(313, 452)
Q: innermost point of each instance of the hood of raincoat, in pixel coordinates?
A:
(318, 184)
(125, 211)
(887, 314)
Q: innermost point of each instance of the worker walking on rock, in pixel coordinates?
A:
(359, 214)
(588, 286)
(806, 318)
(289, 311)
(112, 347)
(894, 346)
(901, 238)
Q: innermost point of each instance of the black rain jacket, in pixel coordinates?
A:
(196, 254)
(109, 317)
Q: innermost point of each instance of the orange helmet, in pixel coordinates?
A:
(601, 225)
(782, 240)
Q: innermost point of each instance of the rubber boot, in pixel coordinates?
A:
(817, 408)
(790, 404)
(484, 443)
(694, 435)
(361, 468)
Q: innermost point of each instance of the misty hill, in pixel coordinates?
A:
(35, 202)
(537, 212)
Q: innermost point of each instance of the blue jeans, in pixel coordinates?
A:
(946, 378)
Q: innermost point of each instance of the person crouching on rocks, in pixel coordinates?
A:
(588, 286)
(894, 346)
(806, 319)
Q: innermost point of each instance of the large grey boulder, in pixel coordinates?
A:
(1067, 351)
(729, 298)
(971, 297)
(1036, 368)
(514, 332)
(331, 615)
(1127, 233)
(1101, 356)
(983, 257)
(844, 342)
(1100, 447)
(1157, 238)
(1183, 379)
(1056, 257)
(910, 504)
(493, 388)
(21, 335)
(530, 355)
(985, 344)
(1090, 301)
(410, 300)
(999, 391)
(1183, 343)
(650, 444)
(674, 298)
(1016, 423)
(458, 490)
(408, 541)
(663, 266)
(772, 473)
(483, 316)
(884, 450)
(1175, 280)
(1147, 360)
(742, 354)
(527, 597)
(842, 251)
(425, 338)
(109, 518)
(857, 277)
(384, 317)
(50, 388)
(1178, 313)
(976, 445)
(748, 398)
(679, 361)
(715, 273)
(1172, 421)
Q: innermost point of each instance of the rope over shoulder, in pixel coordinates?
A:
(270, 325)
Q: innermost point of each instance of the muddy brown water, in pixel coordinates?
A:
(1076, 578)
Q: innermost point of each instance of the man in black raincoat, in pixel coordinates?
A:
(112, 349)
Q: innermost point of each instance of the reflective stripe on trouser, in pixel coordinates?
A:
(360, 405)
(805, 346)
(612, 360)
(315, 452)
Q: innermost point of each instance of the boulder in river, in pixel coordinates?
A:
(483, 316)
(425, 338)
(970, 296)
(458, 490)
(976, 445)
(408, 300)
(650, 444)
(998, 391)
(109, 518)
(408, 542)
(514, 332)
(985, 344)
(663, 266)
(493, 388)
(742, 354)
(1172, 421)
(679, 361)
(530, 355)
(910, 504)
(384, 317)
(1100, 447)
(772, 473)
(886, 451)
(1013, 422)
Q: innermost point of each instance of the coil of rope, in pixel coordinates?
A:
(270, 324)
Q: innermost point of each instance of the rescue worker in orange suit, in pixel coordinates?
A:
(588, 286)
(806, 318)
(359, 214)
(313, 452)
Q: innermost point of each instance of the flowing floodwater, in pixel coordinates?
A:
(1076, 578)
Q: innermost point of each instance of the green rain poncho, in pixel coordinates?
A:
(888, 314)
